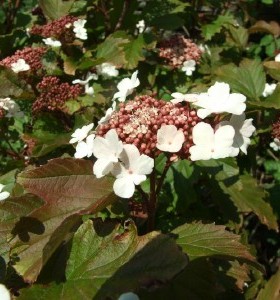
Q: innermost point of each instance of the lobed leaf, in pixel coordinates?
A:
(248, 78)
(54, 9)
(200, 240)
(107, 260)
(271, 290)
(69, 190)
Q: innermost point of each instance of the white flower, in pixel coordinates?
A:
(4, 293)
(79, 30)
(140, 26)
(169, 138)
(51, 42)
(81, 133)
(84, 149)
(269, 89)
(189, 67)
(107, 70)
(3, 195)
(178, 97)
(243, 130)
(108, 114)
(88, 89)
(126, 87)
(210, 144)
(11, 106)
(128, 296)
(218, 100)
(275, 145)
(132, 171)
(277, 57)
(107, 151)
(204, 49)
(20, 65)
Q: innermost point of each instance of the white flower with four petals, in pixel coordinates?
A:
(20, 66)
(80, 133)
(189, 67)
(218, 99)
(211, 144)
(132, 171)
(170, 139)
(107, 150)
(126, 87)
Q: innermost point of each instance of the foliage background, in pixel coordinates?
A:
(63, 233)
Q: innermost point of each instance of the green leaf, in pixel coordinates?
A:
(239, 36)
(271, 290)
(272, 101)
(273, 69)
(209, 30)
(206, 240)
(248, 197)
(10, 85)
(10, 212)
(273, 167)
(54, 9)
(46, 141)
(112, 49)
(107, 260)
(69, 190)
(134, 51)
(248, 78)
(195, 282)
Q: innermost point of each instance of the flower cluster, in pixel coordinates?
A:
(138, 122)
(61, 29)
(54, 94)
(9, 108)
(178, 50)
(29, 58)
(132, 133)
(227, 138)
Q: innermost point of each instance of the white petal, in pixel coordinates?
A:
(219, 90)
(203, 113)
(143, 165)
(129, 295)
(4, 195)
(200, 153)
(124, 187)
(169, 138)
(203, 135)
(81, 150)
(4, 293)
(102, 167)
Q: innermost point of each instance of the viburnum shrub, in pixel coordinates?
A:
(139, 150)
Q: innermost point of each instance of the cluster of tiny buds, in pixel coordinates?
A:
(177, 49)
(138, 121)
(54, 94)
(60, 29)
(276, 129)
(31, 55)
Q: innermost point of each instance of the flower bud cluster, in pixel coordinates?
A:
(177, 49)
(32, 56)
(138, 121)
(276, 129)
(61, 29)
(54, 94)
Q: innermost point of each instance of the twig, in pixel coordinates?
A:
(123, 13)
